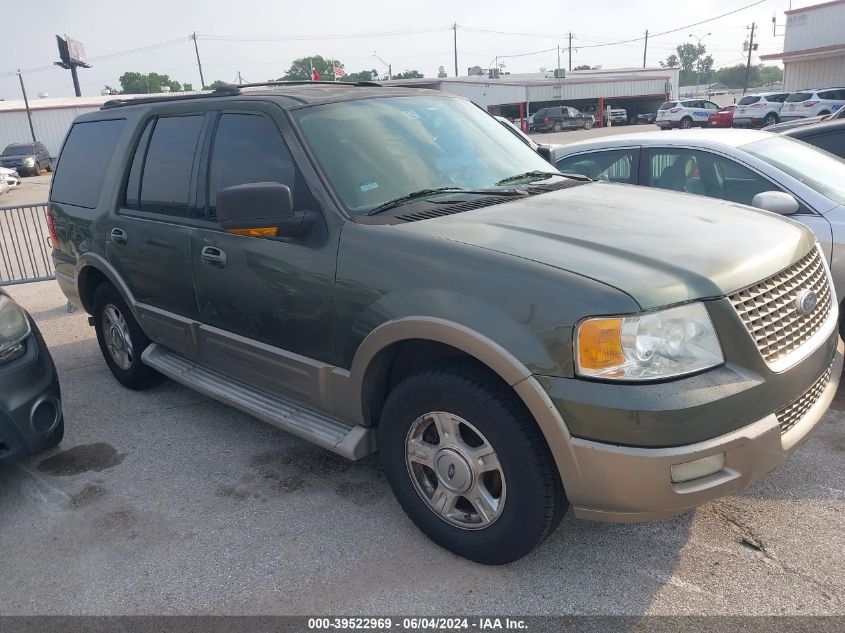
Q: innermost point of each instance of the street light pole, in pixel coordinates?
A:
(698, 65)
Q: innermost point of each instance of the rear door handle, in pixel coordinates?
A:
(118, 236)
(213, 257)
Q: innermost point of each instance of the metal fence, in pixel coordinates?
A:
(24, 245)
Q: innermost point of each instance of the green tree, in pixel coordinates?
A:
(758, 75)
(409, 74)
(133, 83)
(216, 84)
(188, 87)
(300, 69)
(363, 75)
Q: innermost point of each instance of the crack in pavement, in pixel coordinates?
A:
(751, 540)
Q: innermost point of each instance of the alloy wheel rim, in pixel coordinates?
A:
(455, 470)
(117, 337)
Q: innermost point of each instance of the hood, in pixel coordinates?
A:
(657, 246)
(15, 160)
(791, 125)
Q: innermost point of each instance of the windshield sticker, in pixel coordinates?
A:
(367, 185)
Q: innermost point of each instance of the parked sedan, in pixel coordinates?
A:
(723, 117)
(828, 135)
(10, 177)
(751, 167)
(30, 400)
(27, 158)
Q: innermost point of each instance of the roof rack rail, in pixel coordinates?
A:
(231, 90)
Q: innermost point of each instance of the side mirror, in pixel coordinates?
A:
(546, 152)
(776, 202)
(261, 209)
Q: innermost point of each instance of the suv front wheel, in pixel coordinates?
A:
(469, 465)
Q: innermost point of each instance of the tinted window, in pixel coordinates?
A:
(133, 185)
(248, 148)
(668, 105)
(612, 165)
(778, 98)
(709, 105)
(833, 142)
(85, 158)
(748, 100)
(705, 174)
(798, 96)
(18, 150)
(166, 181)
(831, 94)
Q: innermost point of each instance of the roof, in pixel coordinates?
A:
(807, 52)
(813, 7)
(816, 128)
(713, 138)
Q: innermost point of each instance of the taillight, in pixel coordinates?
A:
(809, 104)
(759, 105)
(54, 241)
(674, 110)
(545, 119)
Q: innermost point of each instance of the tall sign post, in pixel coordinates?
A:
(72, 56)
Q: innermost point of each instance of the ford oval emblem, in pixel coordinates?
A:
(806, 302)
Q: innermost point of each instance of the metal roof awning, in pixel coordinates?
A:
(807, 53)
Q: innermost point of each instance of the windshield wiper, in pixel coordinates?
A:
(529, 176)
(424, 193)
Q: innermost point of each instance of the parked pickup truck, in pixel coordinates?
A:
(390, 269)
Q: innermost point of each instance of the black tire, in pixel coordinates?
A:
(556, 126)
(824, 113)
(535, 501)
(136, 375)
(36, 171)
(686, 123)
(588, 125)
(771, 119)
(56, 435)
(50, 167)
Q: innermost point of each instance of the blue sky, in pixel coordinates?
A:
(278, 32)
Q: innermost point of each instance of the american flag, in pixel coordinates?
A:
(339, 73)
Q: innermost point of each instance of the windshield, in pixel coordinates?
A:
(816, 168)
(18, 150)
(377, 150)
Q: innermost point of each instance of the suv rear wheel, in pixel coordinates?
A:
(686, 123)
(556, 126)
(770, 119)
(469, 465)
(121, 339)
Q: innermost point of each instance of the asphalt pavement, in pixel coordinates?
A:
(166, 502)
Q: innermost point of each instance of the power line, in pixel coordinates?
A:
(335, 36)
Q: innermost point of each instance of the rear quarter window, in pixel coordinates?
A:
(84, 161)
(748, 100)
(668, 105)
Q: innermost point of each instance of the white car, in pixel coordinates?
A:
(685, 114)
(759, 110)
(807, 103)
(4, 187)
(10, 177)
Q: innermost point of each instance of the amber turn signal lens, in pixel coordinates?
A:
(267, 231)
(600, 344)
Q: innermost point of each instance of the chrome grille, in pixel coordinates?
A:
(768, 308)
(792, 413)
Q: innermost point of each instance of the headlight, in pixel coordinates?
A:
(14, 329)
(29, 161)
(648, 346)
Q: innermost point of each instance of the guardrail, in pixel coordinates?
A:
(24, 245)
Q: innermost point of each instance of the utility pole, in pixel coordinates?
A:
(26, 104)
(748, 65)
(199, 63)
(645, 48)
(570, 50)
(558, 56)
(455, 32)
(240, 79)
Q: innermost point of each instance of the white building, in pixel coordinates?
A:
(515, 96)
(814, 47)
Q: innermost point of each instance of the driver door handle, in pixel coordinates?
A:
(213, 257)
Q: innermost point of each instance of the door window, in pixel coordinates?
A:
(612, 165)
(249, 148)
(166, 175)
(705, 174)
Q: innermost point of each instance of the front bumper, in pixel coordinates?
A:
(623, 483)
(30, 401)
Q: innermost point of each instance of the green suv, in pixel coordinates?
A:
(387, 269)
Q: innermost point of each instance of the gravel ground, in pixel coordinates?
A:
(166, 502)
